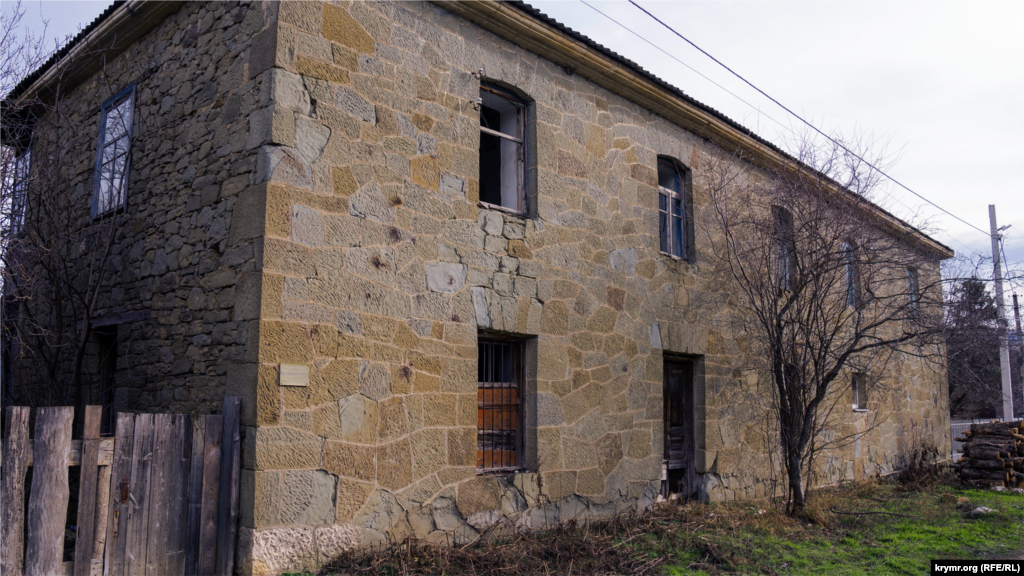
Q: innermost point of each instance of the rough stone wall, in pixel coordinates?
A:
(380, 267)
(176, 260)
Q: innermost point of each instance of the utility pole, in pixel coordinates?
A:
(1020, 345)
(1004, 350)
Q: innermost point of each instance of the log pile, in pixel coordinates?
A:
(993, 455)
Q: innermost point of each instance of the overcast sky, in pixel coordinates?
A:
(942, 83)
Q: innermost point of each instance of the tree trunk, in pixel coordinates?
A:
(796, 485)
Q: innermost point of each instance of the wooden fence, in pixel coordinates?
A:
(159, 498)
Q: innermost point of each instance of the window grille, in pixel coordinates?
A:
(499, 405)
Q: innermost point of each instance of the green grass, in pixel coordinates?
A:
(926, 525)
(873, 528)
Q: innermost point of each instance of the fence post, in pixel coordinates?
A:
(48, 500)
(230, 464)
(87, 486)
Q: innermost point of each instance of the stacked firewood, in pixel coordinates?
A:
(993, 455)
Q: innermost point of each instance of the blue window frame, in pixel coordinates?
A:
(110, 191)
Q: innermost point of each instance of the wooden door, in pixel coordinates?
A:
(680, 475)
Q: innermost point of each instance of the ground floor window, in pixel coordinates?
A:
(499, 405)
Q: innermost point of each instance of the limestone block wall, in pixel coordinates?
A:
(175, 297)
(380, 268)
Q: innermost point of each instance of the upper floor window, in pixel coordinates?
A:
(674, 209)
(112, 154)
(19, 189)
(503, 148)
(860, 392)
(913, 291)
(785, 247)
(852, 276)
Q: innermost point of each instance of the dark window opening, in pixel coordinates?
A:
(852, 277)
(913, 290)
(107, 371)
(502, 149)
(499, 405)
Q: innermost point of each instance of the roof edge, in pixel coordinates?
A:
(525, 26)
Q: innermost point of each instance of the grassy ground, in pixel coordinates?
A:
(874, 528)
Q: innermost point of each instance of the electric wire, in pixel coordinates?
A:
(734, 95)
(801, 119)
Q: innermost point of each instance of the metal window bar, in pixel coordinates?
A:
(499, 405)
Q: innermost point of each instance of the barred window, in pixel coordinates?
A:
(499, 405)
(112, 152)
(673, 209)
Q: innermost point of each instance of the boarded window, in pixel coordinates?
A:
(499, 405)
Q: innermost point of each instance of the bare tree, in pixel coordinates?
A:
(831, 289)
(63, 218)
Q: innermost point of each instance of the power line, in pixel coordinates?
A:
(734, 95)
(691, 68)
(798, 117)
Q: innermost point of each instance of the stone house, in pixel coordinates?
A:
(446, 252)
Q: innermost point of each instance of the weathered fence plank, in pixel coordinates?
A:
(88, 479)
(120, 477)
(160, 497)
(48, 499)
(195, 494)
(210, 495)
(12, 491)
(230, 470)
(177, 521)
(136, 532)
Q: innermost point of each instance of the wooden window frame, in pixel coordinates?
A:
(678, 244)
(510, 394)
(785, 246)
(118, 199)
(859, 386)
(19, 190)
(523, 148)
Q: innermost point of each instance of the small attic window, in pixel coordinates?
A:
(502, 149)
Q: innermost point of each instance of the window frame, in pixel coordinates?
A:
(683, 220)
(19, 190)
(120, 201)
(522, 140)
(914, 291)
(517, 350)
(859, 387)
(785, 246)
(852, 275)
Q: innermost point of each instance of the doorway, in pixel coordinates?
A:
(680, 459)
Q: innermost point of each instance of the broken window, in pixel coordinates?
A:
(499, 405)
(673, 208)
(503, 149)
(112, 153)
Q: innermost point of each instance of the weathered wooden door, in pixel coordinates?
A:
(680, 475)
